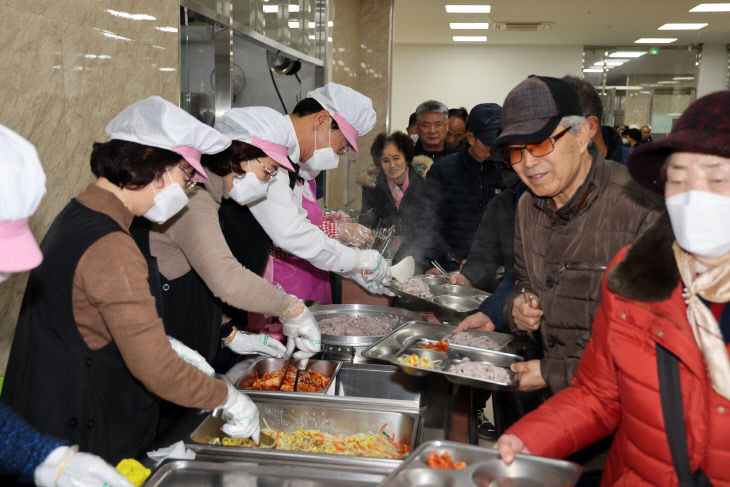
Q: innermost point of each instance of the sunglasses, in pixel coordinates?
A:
(513, 153)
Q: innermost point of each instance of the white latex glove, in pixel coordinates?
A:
(66, 467)
(371, 287)
(354, 234)
(372, 266)
(190, 356)
(303, 333)
(248, 343)
(241, 416)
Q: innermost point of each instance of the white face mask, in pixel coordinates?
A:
(306, 173)
(248, 188)
(324, 158)
(414, 138)
(168, 202)
(624, 140)
(4, 276)
(699, 220)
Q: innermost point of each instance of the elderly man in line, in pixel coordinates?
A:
(432, 120)
(456, 127)
(580, 210)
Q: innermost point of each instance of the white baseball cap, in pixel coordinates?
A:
(352, 111)
(262, 127)
(158, 123)
(22, 185)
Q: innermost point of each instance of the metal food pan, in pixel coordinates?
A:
(422, 330)
(265, 365)
(334, 415)
(195, 473)
(484, 468)
(355, 310)
(461, 290)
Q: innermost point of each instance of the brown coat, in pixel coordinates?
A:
(561, 256)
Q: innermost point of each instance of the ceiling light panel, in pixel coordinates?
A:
(468, 25)
(684, 26)
(593, 70)
(711, 7)
(655, 40)
(468, 9)
(683, 78)
(629, 54)
(470, 38)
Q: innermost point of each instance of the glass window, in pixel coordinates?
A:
(643, 86)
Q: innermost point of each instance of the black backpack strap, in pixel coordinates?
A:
(670, 391)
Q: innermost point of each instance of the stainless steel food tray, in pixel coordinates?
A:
(484, 468)
(334, 415)
(410, 334)
(265, 365)
(371, 311)
(450, 302)
(195, 473)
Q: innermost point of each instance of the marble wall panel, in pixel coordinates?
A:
(69, 67)
(359, 58)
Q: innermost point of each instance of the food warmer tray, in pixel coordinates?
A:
(450, 302)
(356, 310)
(262, 366)
(194, 473)
(405, 340)
(331, 414)
(484, 468)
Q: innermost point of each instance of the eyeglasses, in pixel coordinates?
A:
(348, 149)
(189, 177)
(266, 169)
(513, 153)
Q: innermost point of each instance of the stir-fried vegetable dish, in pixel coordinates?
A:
(443, 462)
(375, 445)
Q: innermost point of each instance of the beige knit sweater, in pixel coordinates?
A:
(194, 239)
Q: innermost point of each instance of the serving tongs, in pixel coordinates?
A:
(265, 441)
(286, 370)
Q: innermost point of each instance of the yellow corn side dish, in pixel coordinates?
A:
(414, 360)
(375, 445)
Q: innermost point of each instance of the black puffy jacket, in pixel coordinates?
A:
(378, 208)
(459, 189)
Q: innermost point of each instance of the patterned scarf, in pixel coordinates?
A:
(713, 285)
(396, 191)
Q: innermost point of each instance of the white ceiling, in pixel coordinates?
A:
(574, 22)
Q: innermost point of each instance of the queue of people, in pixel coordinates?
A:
(621, 292)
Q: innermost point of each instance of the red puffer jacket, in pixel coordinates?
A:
(616, 387)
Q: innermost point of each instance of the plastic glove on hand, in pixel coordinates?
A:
(354, 234)
(190, 356)
(66, 467)
(373, 267)
(303, 332)
(241, 416)
(247, 343)
(370, 286)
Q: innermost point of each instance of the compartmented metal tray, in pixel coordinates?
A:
(195, 473)
(405, 339)
(265, 365)
(450, 302)
(484, 468)
(356, 310)
(335, 415)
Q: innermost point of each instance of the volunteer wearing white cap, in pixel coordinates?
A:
(26, 453)
(194, 260)
(90, 354)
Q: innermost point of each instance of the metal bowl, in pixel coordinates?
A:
(459, 290)
(461, 304)
(432, 280)
(526, 472)
(421, 353)
(336, 310)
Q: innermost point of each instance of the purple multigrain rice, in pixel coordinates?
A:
(481, 370)
(416, 288)
(359, 325)
(469, 340)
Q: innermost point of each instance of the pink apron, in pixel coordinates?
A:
(294, 275)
